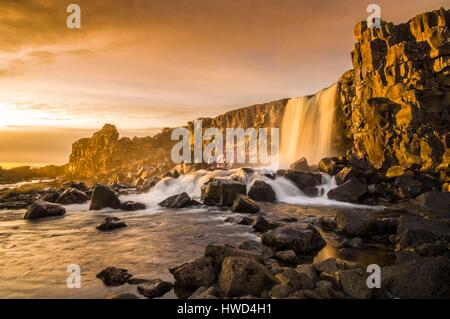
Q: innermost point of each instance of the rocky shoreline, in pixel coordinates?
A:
(415, 229)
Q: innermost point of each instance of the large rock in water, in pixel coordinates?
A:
(112, 276)
(221, 192)
(409, 59)
(103, 197)
(41, 209)
(350, 191)
(177, 201)
(241, 276)
(302, 179)
(72, 196)
(262, 192)
(155, 288)
(111, 223)
(244, 204)
(303, 239)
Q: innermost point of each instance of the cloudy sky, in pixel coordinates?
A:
(146, 64)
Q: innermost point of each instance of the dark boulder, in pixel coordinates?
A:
(196, 273)
(104, 197)
(80, 186)
(437, 202)
(111, 223)
(300, 165)
(221, 192)
(155, 288)
(303, 239)
(413, 231)
(242, 276)
(113, 276)
(50, 197)
(331, 165)
(419, 278)
(219, 252)
(360, 223)
(350, 191)
(246, 221)
(262, 225)
(177, 201)
(346, 174)
(41, 209)
(244, 204)
(302, 179)
(131, 206)
(262, 192)
(287, 256)
(72, 196)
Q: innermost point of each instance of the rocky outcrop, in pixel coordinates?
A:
(394, 103)
(41, 209)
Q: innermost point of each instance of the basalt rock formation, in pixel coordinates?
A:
(107, 158)
(394, 104)
(392, 108)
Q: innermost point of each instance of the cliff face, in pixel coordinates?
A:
(106, 157)
(393, 109)
(395, 103)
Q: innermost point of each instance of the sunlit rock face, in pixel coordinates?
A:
(394, 105)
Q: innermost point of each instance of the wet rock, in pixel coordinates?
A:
(111, 223)
(244, 204)
(155, 288)
(300, 165)
(244, 276)
(80, 186)
(311, 191)
(198, 272)
(413, 231)
(324, 289)
(131, 206)
(351, 243)
(262, 192)
(41, 209)
(112, 276)
(302, 179)
(431, 279)
(303, 239)
(50, 197)
(220, 252)
(360, 223)
(294, 279)
(350, 191)
(438, 248)
(177, 201)
(353, 283)
(329, 165)
(331, 265)
(346, 174)
(281, 291)
(437, 202)
(287, 256)
(246, 221)
(262, 225)
(221, 193)
(14, 205)
(104, 197)
(327, 223)
(72, 196)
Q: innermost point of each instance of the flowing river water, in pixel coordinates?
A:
(34, 255)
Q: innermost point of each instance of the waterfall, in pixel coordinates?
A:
(307, 127)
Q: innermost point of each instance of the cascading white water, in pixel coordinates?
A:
(307, 127)
(285, 190)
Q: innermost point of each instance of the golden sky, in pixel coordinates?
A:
(143, 64)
